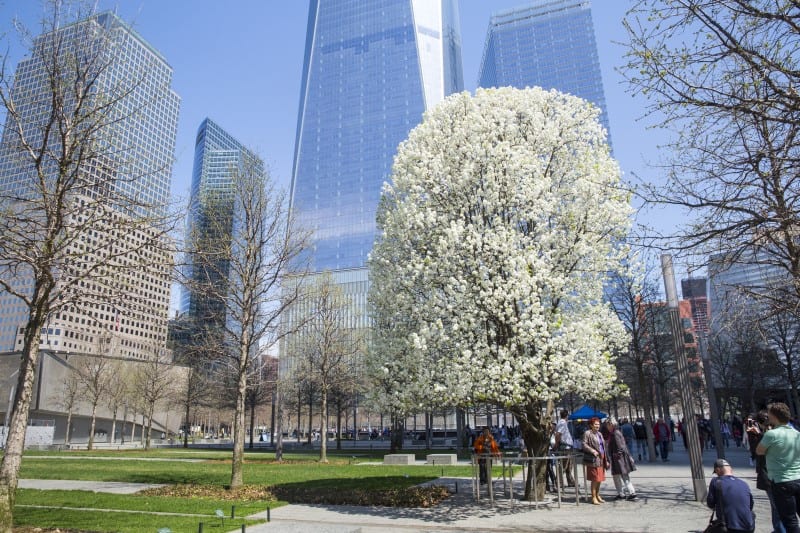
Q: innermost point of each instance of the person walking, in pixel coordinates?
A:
(731, 499)
(565, 445)
(622, 464)
(781, 446)
(628, 432)
(595, 459)
(661, 435)
(640, 430)
(485, 445)
(762, 481)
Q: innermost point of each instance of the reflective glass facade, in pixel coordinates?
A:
(550, 44)
(217, 156)
(371, 68)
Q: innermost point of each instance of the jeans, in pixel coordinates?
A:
(777, 525)
(787, 500)
(641, 448)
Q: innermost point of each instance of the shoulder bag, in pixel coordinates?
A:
(717, 525)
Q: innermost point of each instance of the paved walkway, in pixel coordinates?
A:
(666, 504)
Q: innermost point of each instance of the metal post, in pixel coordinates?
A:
(692, 440)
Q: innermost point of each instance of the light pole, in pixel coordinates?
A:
(692, 440)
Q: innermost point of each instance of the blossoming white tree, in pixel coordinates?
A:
(503, 219)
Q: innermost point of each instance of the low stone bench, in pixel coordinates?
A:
(442, 459)
(399, 459)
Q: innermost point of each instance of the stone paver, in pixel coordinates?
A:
(666, 505)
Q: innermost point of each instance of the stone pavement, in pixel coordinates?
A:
(666, 504)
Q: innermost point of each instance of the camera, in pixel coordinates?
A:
(750, 423)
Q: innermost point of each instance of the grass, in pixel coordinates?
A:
(122, 522)
(299, 475)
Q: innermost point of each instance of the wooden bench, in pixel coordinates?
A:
(442, 459)
(399, 459)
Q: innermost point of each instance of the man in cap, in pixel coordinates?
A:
(731, 498)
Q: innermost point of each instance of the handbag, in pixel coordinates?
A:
(717, 525)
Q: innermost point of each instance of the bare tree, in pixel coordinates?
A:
(192, 393)
(67, 398)
(632, 300)
(242, 251)
(94, 375)
(66, 202)
(780, 331)
(118, 391)
(330, 347)
(722, 76)
(153, 380)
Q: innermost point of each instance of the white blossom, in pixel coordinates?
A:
(504, 216)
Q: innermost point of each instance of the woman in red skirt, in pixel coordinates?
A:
(594, 458)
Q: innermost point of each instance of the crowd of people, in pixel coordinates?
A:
(770, 435)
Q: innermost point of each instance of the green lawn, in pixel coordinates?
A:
(348, 470)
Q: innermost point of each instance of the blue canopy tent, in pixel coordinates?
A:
(586, 412)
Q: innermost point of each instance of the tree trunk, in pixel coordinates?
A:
(239, 424)
(323, 427)
(535, 434)
(90, 446)
(339, 424)
(113, 436)
(187, 426)
(310, 417)
(69, 426)
(279, 427)
(18, 424)
(398, 431)
(252, 422)
(148, 439)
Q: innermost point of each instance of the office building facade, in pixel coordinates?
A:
(218, 156)
(136, 162)
(549, 44)
(371, 69)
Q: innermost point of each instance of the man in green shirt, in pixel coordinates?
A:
(781, 446)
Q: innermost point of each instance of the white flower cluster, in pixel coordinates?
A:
(503, 219)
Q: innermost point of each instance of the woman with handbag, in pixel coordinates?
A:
(594, 458)
(621, 462)
(731, 500)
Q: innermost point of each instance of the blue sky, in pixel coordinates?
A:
(239, 63)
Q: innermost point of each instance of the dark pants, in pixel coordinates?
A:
(664, 449)
(787, 500)
(777, 525)
(482, 468)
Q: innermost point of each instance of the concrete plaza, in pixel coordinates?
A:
(665, 504)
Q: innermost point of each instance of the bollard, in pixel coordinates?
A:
(243, 528)
(442, 472)
(200, 528)
(268, 513)
(233, 511)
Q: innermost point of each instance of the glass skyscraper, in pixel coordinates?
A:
(547, 43)
(371, 68)
(217, 157)
(134, 156)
